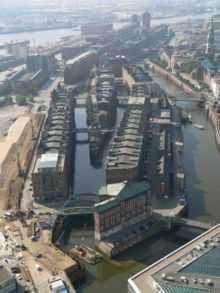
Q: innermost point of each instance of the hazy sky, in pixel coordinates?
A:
(28, 2)
(13, 3)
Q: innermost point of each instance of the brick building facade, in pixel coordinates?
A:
(123, 206)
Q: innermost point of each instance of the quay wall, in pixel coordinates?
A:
(214, 118)
(75, 272)
(169, 76)
(111, 250)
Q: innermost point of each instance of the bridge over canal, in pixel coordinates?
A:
(93, 130)
(80, 204)
(198, 100)
(184, 222)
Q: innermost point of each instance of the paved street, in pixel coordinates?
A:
(42, 99)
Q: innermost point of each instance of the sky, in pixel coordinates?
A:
(15, 3)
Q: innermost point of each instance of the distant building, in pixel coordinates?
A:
(30, 82)
(9, 61)
(138, 81)
(136, 20)
(117, 65)
(96, 28)
(123, 207)
(37, 62)
(209, 70)
(146, 21)
(7, 281)
(69, 52)
(166, 55)
(77, 69)
(19, 49)
(215, 86)
(193, 268)
(9, 77)
(210, 46)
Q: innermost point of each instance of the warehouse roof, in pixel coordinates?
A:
(48, 160)
(80, 57)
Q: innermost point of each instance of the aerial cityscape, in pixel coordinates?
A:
(109, 146)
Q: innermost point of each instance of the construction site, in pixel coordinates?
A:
(17, 146)
(26, 250)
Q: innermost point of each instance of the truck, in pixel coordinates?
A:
(58, 286)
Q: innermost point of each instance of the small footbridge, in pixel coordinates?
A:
(79, 204)
(184, 222)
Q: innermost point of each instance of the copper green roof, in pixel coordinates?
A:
(120, 191)
(132, 189)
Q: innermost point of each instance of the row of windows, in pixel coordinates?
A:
(116, 219)
(133, 203)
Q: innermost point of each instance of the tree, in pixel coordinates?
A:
(21, 100)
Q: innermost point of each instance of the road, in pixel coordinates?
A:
(42, 99)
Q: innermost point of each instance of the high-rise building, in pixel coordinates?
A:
(35, 63)
(210, 46)
(78, 68)
(146, 21)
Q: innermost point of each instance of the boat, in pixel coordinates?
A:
(86, 254)
(199, 126)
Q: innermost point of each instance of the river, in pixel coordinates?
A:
(39, 38)
(180, 19)
(47, 37)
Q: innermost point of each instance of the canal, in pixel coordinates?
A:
(202, 162)
(87, 178)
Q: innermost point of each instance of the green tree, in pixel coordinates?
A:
(21, 100)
